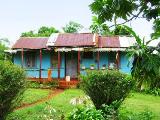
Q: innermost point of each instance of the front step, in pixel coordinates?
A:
(68, 84)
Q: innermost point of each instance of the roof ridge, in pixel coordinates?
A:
(34, 37)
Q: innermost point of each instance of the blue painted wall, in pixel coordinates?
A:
(125, 65)
(46, 63)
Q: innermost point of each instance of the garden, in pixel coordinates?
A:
(136, 105)
(101, 94)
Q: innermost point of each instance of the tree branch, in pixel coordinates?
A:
(134, 16)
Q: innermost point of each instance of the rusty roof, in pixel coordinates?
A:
(31, 43)
(109, 42)
(76, 39)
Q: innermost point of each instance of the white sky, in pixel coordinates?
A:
(17, 16)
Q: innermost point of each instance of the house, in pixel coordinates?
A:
(70, 54)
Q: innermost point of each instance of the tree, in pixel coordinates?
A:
(146, 64)
(2, 53)
(99, 27)
(46, 31)
(42, 32)
(72, 27)
(109, 10)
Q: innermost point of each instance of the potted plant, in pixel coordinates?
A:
(83, 67)
(104, 67)
(92, 66)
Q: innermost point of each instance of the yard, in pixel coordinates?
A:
(135, 103)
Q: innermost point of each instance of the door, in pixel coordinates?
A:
(71, 64)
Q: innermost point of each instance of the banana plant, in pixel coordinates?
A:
(146, 64)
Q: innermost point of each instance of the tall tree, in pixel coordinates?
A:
(42, 32)
(108, 10)
(72, 27)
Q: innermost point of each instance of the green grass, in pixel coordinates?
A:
(138, 102)
(32, 95)
(60, 103)
(135, 103)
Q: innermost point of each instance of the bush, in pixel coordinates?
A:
(106, 86)
(35, 84)
(154, 91)
(86, 113)
(12, 84)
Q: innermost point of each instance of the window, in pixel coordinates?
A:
(88, 55)
(54, 60)
(31, 60)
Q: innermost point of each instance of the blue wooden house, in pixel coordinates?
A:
(65, 54)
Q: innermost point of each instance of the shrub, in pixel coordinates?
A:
(12, 84)
(106, 86)
(86, 113)
(154, 91)
(34, 84)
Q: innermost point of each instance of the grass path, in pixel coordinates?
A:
(52, 94)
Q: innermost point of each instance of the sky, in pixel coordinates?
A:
(17, 16)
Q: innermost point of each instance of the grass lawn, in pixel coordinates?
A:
(32, 95)
(135, 103)
(60, 103)
(138, 102)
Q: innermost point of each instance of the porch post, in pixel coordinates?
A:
(59, 64)
(22, 57)
(40, 63)
(98, 58)
(79, 58)
(118, 59)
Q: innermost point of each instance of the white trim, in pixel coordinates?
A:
(107, 49)
(69, 49)
(10, 51)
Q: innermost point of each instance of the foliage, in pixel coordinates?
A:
(110, 10)
(155, 91)
(72, 27)
(119, 30)
(156, 28)
(42, 32)
(51, 114)
(61, 102)
(106, 86)
(109, 112)
(2, 53)
(146, 64)
(98, 27)
(86, 113)
(33, 84)
(146, 115)
(12, 84)
(5, 41)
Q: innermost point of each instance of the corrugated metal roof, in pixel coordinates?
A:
(31, 43)
(109, 42)
(76, 39)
